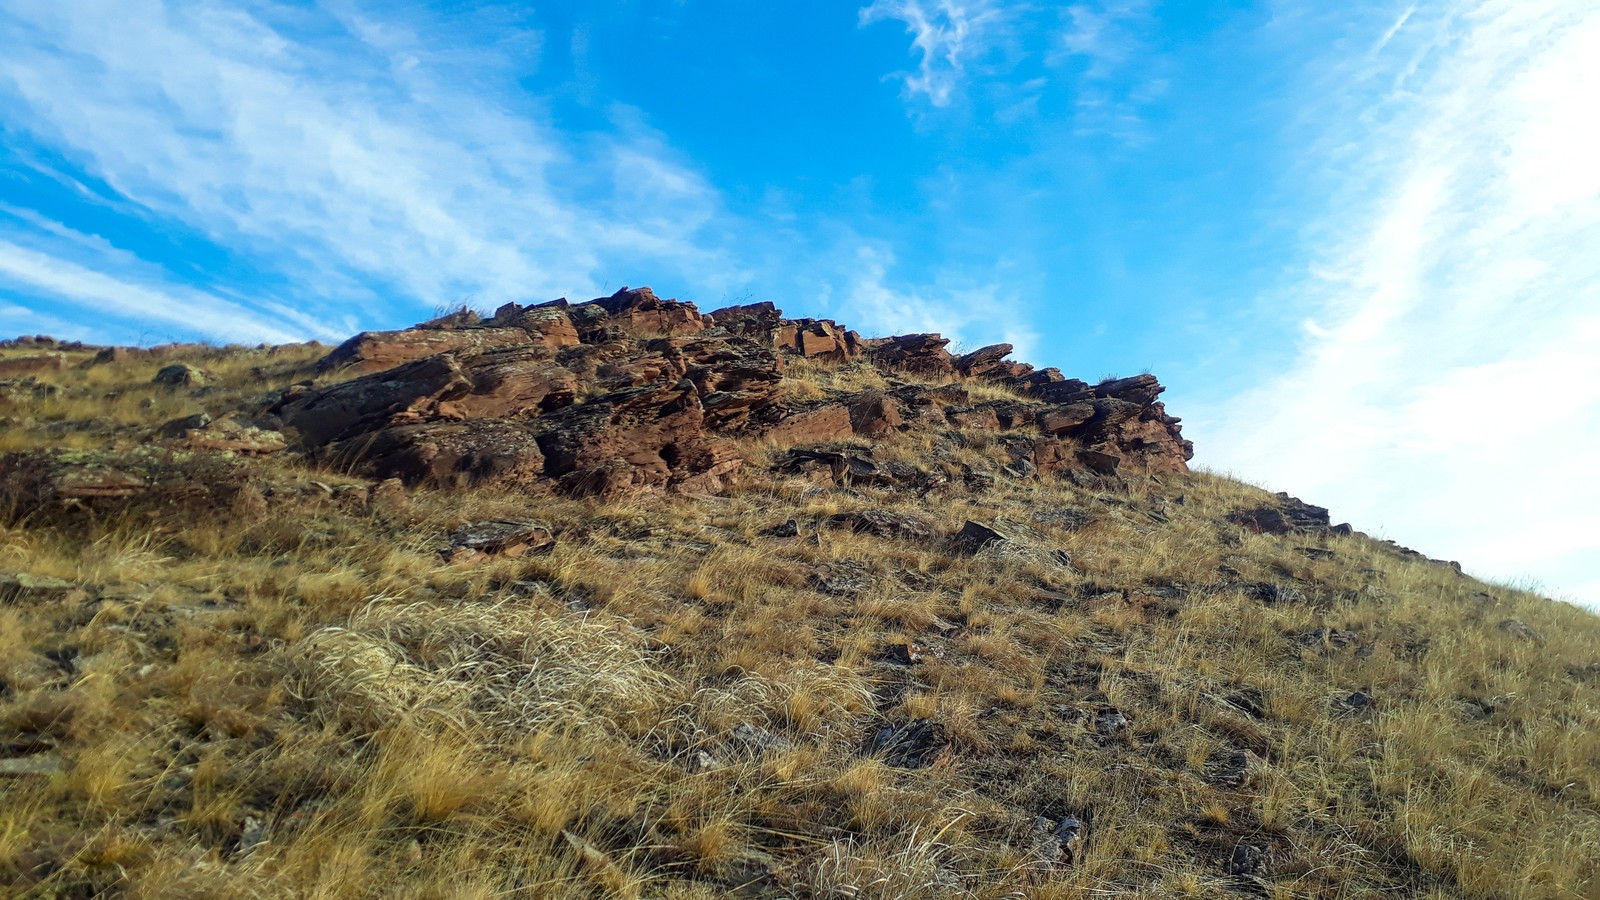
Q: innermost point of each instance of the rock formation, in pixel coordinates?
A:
(632, 391)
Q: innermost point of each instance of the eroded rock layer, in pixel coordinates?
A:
(632, 391)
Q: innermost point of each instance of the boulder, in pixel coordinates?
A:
(441, 453)
(640, 312)
(503, 383)
(32, 365)
(179, 375)
(648, 436)
(923, 354)
(984, 362)
(818, 423)
(874, 414)
(1290, 515)
(757, 321)
(376, 351)
(818, 339)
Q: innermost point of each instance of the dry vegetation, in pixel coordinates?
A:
(308, 701)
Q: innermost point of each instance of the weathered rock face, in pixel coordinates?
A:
(632, 392)
(923, 354)
(818, 339)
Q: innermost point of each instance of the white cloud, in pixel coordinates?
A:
(364, 165)
(1449, 394)
(968, 311)
(947, 34)
(100, 296)
(1105, 36)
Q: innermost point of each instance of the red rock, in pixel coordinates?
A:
(818, 424)
(508, 382)
(640, 312)
(32, 365)
(873, 414)
(923, 354)
(376, 351)
(982, 418)
(757, 321)
(985, 362)
(442, 453)
(818, 339)
(649, 436)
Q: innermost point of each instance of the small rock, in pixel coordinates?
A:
(180, 375)
(1110, 721)
(788, 529)
(842, 577)
(252, 834)
(501, 538)
(883, 523)
(1238, 769)
(39, 764)
(1520, 630)
(21, 586)
(1247, 861)
(702, 761)
(755, 737)
(974, 537)
(911, 745)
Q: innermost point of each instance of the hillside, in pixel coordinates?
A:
(623, 599)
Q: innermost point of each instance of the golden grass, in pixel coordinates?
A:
(667, 706)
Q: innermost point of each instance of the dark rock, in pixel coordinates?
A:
(503, 538)
(873, 414)
(818, 339)
(974, 537)
(1247, 861)
(788, 529)
(842, 577)
(920, 353)
(1290, 516)
(180, 375)
(910, 745)
(985, 361)
(883, 523)
(1520, 630)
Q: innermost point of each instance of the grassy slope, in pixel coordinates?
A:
(568, 724)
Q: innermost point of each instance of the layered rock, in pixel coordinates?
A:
(635, 392)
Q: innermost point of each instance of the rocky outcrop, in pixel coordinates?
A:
(923, 354)
(820, 339)
(632, 392)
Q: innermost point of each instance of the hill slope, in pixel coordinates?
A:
(622, 599)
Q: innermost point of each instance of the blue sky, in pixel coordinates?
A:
(1358, 240)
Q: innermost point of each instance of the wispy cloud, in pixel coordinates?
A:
(164, 309)
(359, 163)
(1108, 39)
(968, 309)
(1447, 389)
(947, 35)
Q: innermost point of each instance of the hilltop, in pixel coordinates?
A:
(620, 598)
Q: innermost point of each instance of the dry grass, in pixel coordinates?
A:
(310, 702)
